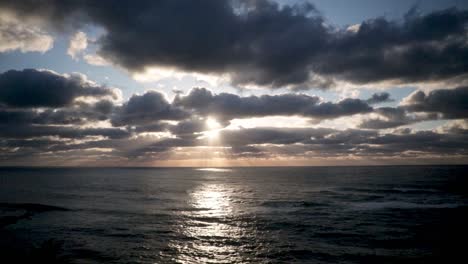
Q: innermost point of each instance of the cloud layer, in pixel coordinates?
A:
(52, 118)
(33, 88)
(421, 106)
(264, 44)
(229, 106)
(45, 115)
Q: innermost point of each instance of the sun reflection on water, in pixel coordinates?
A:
(212, 200)
(215, 169)
(209, 227)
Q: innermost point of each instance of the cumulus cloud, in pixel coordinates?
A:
(456, 127)
(251, 44)
(78, 43)
(378, 98)
(79, 113)
(308, 142)
(19, 35)
(28, 131)
(452, 103)
(254, 136)
(265, 44)
(421, 106)
(42, 112)
(189, 127)
(42, 88)
(226, 106)
(390, 117)
(420, 48)
(147, 109)
(52, 119)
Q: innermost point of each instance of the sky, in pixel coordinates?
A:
(233, 83)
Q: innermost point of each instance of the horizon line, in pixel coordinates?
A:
(197, 167)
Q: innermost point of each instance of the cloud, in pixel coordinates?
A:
(41, 88)
(420, 48)
(452, 103)
(226, 106)
(147, 109)
(378, 98)
(80, 113)
(456, 127)
(95, 59)
(188, 128)
(47, 115)
(332, 143)
(325, 143)
(242, 143)
(261, 43)
(253, 136)
(421, 106)
(28, 131)
(390, 117)
(78, 43)
(41, 110)
(19, 35)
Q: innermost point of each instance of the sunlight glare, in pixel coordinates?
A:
(211, 134)
(212, 128)
(212, 124)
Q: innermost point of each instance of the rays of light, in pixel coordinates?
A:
(212, 124)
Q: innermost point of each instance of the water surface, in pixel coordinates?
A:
(410, 214)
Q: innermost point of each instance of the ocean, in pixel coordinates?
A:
(386, 214)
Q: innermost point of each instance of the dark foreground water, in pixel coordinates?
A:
(240, 215)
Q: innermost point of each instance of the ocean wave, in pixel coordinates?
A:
(32, 207)
(395, 190)
(290, 204)
(23, 211)
(403, 205)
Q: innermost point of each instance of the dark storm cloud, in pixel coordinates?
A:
(34, 88)
(259, 42)
(226, 106)
(149, 108)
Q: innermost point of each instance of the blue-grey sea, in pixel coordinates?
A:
(387, 214)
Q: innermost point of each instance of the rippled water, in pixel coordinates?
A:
(243, 215)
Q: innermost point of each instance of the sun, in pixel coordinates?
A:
(212, 124)
(212, 128)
